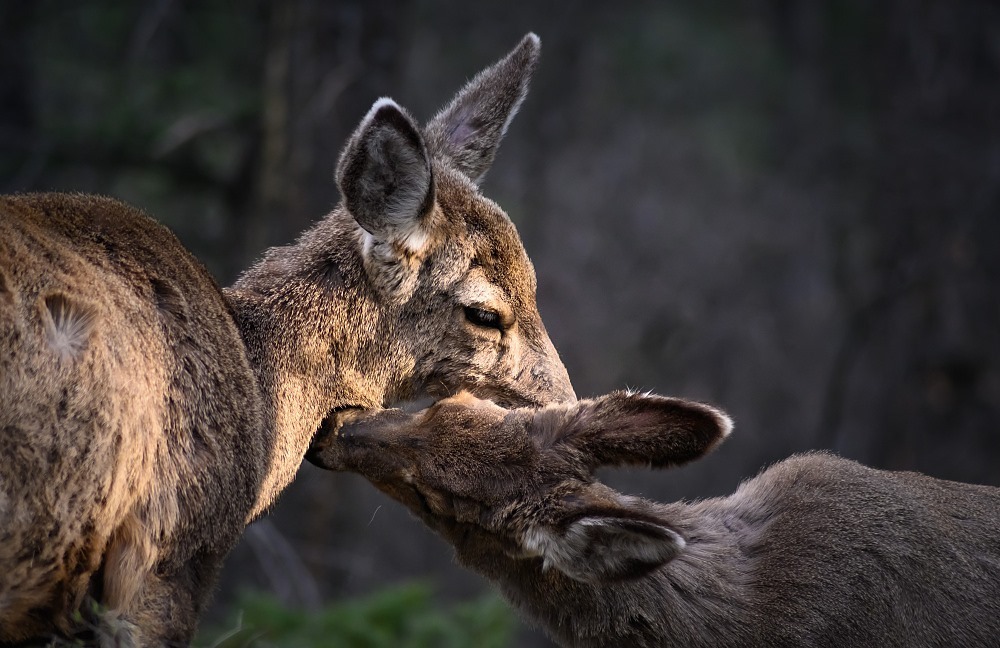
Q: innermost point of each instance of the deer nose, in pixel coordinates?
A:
(553, 383)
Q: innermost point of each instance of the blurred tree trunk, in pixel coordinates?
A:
(326, 63)
(938, 172)
(914, 383)
(16, 107)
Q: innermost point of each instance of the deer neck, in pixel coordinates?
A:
(292, 310)
(698, 599)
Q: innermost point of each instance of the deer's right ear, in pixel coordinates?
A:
(385, 177)
(638, 429)
(468, 130)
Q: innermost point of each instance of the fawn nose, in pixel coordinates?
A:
(359, 426)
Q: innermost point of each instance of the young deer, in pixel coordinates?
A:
(146, 415)
(814, 551)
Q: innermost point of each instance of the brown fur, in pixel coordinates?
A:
(146, 416)
(814, 551)
(116, 415)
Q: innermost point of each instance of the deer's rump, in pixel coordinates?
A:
(123, 384)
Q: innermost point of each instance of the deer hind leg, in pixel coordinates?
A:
(166, 609)
(128, 565)
(149, 600)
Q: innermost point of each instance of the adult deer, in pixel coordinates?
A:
(146, 416)
(814, 551)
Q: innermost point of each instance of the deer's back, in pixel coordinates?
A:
(843, 554)
(123, 386)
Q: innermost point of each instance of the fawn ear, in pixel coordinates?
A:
(384, 175)
(605, 544)
(468, 130)
(640, 429)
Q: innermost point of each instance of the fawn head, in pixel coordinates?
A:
(522, 481)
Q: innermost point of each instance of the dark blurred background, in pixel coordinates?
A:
(789, 209)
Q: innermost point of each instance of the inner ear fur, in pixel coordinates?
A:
(386, 179)
(625, 428)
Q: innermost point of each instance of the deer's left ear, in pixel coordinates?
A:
(639, 429)
(605, 544)
(385, 177)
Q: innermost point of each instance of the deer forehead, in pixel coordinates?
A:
(491, 236)
(477, 289)
(504, 263)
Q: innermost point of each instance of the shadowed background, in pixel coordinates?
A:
(791, 210)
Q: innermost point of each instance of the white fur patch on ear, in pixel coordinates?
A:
(379, 104)
(367, 242)
(725, 423)
(415, 240)
(539, 541)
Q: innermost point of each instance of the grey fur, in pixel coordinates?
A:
(468, 131)
(816, 551)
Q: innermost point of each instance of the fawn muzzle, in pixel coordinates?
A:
(349, 432)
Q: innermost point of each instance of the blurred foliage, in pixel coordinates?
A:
(406, 616)
(106, 82)
(157, 103)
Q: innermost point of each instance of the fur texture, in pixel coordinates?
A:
(815, 551)
(469, 128)
(115, 416)
(146, 416)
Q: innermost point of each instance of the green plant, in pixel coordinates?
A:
(406, 616)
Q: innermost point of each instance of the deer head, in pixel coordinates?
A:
(522, 481)
(416, 283)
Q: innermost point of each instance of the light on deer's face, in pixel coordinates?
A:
(525, 477)
(455, 286)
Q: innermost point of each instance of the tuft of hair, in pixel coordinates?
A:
(68, 325)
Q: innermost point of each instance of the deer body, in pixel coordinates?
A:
(815, 551)
(146, 415)
(124, 387)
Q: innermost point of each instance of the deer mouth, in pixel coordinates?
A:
(509, 396)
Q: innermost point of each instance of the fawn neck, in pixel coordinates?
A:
(698, 599)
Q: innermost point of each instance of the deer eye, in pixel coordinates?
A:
(483, 317)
